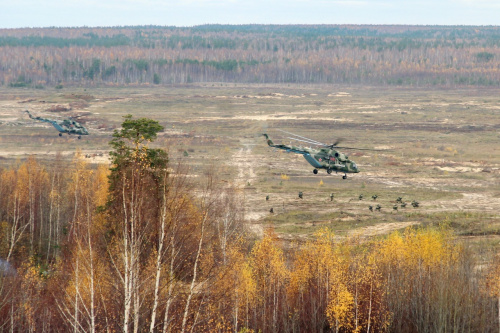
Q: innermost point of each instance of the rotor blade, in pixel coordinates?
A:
(339, 140)
(303, 137)
(362, 149)
(310, 142)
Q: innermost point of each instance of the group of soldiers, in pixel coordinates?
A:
(399, 201)
(378, 207)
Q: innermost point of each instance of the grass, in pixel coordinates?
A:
(433, 134)
(306, 223)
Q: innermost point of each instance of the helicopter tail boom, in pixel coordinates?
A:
(29, 114)
(269, 141)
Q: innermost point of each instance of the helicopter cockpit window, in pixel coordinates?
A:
(354, 166)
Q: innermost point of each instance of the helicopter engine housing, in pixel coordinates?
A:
(341, 157)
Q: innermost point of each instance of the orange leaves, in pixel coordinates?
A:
(493, 278)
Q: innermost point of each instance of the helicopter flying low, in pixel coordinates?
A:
(327, 157)
(69, 126)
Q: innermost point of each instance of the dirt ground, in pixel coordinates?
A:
(442, 148)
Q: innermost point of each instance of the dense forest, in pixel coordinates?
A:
(141, 246)
(446, 56)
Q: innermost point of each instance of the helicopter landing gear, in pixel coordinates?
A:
(60, 134)
(315, 171)
(344, 177)
(329, 171)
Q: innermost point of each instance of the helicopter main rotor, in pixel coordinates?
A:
(301, 138)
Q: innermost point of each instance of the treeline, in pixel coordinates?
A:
(373, 55)
(138, 247)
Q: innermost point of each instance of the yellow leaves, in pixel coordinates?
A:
(31, 275)
(248, 286)
(268, 259)
(284, 176)
(422, 247)
(88, 187)
(316, 260)
(238, 274)
(101, 185)
(30, 175)
(340, 312)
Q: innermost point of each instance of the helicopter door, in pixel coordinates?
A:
(333, 161)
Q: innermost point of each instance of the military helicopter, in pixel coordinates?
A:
(69, 126)
(327, 157)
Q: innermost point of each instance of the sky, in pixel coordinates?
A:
(92, 13)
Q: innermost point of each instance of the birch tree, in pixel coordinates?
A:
(133, 208)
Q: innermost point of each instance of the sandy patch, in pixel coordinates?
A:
(257, 229)
(340, 94)
(381, 228)
(470, 202)
(277, 116)
(460, 169)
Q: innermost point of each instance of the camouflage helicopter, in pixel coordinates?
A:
(69, 126)
(327, 157)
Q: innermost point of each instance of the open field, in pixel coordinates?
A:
(444, 149)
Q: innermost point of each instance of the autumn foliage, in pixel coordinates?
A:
(141, 248)
(418, 56)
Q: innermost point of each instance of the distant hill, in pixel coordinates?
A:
(377, 55)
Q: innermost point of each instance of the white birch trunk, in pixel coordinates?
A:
(126, 275)
(75, 316)
(195, 271)
(166, 319)
(237, 303)
(51, 208)
(370, 307)
(159, 260)
(16, 231)
(91, 258)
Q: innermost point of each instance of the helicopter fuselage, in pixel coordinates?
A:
(68, 126)
(323, 158)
